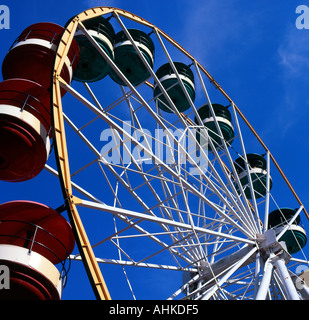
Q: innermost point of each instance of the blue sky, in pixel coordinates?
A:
(252, 48)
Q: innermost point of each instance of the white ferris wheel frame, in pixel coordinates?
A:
(257, 239)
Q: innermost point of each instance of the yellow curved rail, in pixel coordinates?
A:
(90, 263)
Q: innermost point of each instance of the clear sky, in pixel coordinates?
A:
(252, 48)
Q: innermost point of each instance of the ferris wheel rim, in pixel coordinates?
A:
(58, 123)
(102, 10)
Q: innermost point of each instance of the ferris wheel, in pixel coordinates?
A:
(159, 169)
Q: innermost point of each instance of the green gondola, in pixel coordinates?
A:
(92, 66)
(295, 237)
(224, 118)
(128, 60)
(258, 173)
(170, 83)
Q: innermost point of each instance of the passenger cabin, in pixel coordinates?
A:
(170, 83)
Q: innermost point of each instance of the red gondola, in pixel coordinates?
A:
(33, 239)
(25, 129)
(32, 55)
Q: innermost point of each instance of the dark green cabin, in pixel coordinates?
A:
(257, 170)
(170, 83)
(92, 66)
(224, 119)
(295, 237)
(128, 60)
